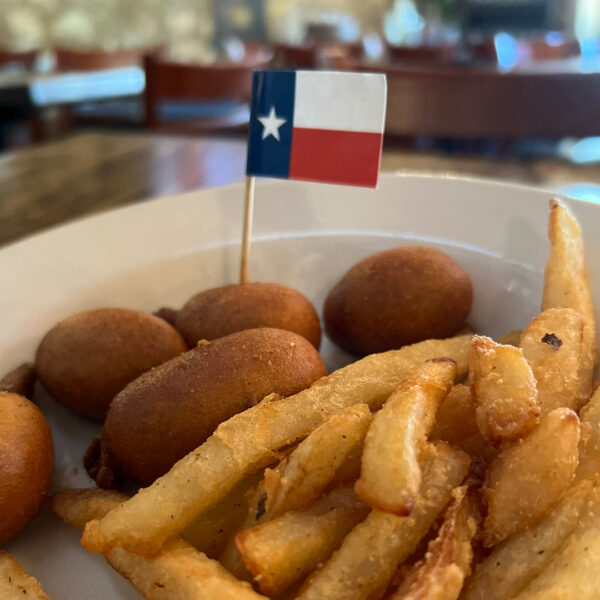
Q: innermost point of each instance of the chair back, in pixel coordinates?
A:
(23, 59)
(93, 60)
(421, 54)
(213, 82)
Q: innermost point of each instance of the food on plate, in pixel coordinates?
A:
(517, 561)
(390, 475)
(211, 531)
(26, 462)
(284, 550)
(553, 346)
(566, 285)
(573, 572)
(15, 583)
(224, 310)
(231, 558)
(527, 478)
(184, 400)
(248, 441)
(505, 392)
(364, 564)
(86, 359)
(455, 418)
(589, 443)
(512, 338)
(398, 297)
(178, 571)
(455, 424)
(384, 479)
(447, 562)
(349, 470)
(77, 507)
(302, 477)
(80, 506)
(167, 314)
(19, 381)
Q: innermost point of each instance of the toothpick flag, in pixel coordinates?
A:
(317, 126)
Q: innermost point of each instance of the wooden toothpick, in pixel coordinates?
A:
(247, 231)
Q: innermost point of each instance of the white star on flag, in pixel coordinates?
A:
(271, 124)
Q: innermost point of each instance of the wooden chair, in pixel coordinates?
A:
(421, 54)
(25, 60)
(529, 50)
(200, 97)
(541, 49)
(295, 56)
(316, 54)
(482, 102)
(93, 60)
(125, 112)
(483, 50)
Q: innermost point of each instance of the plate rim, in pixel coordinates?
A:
(139, 205)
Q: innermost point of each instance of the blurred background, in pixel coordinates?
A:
(105, 102)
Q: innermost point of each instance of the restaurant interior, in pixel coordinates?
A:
(299, 299)
(111, 102)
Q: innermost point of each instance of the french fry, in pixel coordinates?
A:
(455, 424)
(504, 389)
(517, 561)
(390, 475)
(573, 572)
(300, 478)
(78, 506)
(526, 479)
(479, 450)
(255, 509)
(372, 551)
(349, 470)
(566, 285)
(247, 442)
(553, 346)
(210, 532)
(447, 562)
(589, 444)
(284, 550)
(15, 583)
(455, 418)
(512, 338)
(177, 572)
(310, 468)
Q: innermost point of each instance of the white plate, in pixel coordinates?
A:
(305, 235)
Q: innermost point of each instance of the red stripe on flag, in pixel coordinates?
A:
(349, 157)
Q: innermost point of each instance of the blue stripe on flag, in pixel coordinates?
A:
(272, 99)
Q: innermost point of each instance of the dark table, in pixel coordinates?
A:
(52, 183)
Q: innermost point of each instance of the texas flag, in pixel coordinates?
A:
(317, 126)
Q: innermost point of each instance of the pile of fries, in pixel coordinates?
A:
(459, 468)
